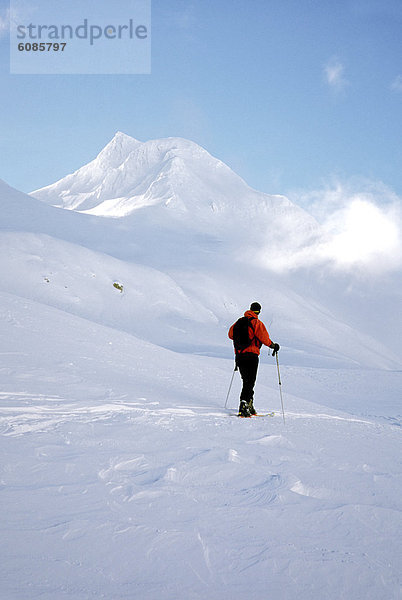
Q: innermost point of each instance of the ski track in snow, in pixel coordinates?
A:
(115, 507)
(33, 416)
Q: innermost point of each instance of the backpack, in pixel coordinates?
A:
(241, 334)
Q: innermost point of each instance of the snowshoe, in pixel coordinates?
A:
(251, 408)
(244, 409)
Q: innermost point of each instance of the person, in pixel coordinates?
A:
(247, 358)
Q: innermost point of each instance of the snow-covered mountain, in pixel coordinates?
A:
(190, 242)
(173, 187)
(122, 473)
(128, 175)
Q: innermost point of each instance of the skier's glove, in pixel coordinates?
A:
(275, 348)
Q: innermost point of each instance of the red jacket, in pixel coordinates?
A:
(258, 333)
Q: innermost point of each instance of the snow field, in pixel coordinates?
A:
(124, 477)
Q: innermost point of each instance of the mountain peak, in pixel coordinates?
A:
(173, 173)
(122, 135)
(118, 149)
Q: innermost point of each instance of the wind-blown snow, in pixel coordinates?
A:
(123, 475)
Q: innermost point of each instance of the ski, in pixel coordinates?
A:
(269, 414)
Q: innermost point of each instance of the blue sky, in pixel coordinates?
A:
(291, 94)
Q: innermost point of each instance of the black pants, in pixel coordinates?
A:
(247, 364)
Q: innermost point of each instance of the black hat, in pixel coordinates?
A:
(255, 307)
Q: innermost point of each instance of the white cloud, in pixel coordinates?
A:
(334, 75)
(362, 233)
(356, 229)
(19, 12)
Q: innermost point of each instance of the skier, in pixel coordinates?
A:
(247, 354)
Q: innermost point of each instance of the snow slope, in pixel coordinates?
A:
(206, 284)
(155, 307)
(122, 474)
(171, 194)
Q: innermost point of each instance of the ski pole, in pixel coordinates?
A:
(280, 385)
(230, 386)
